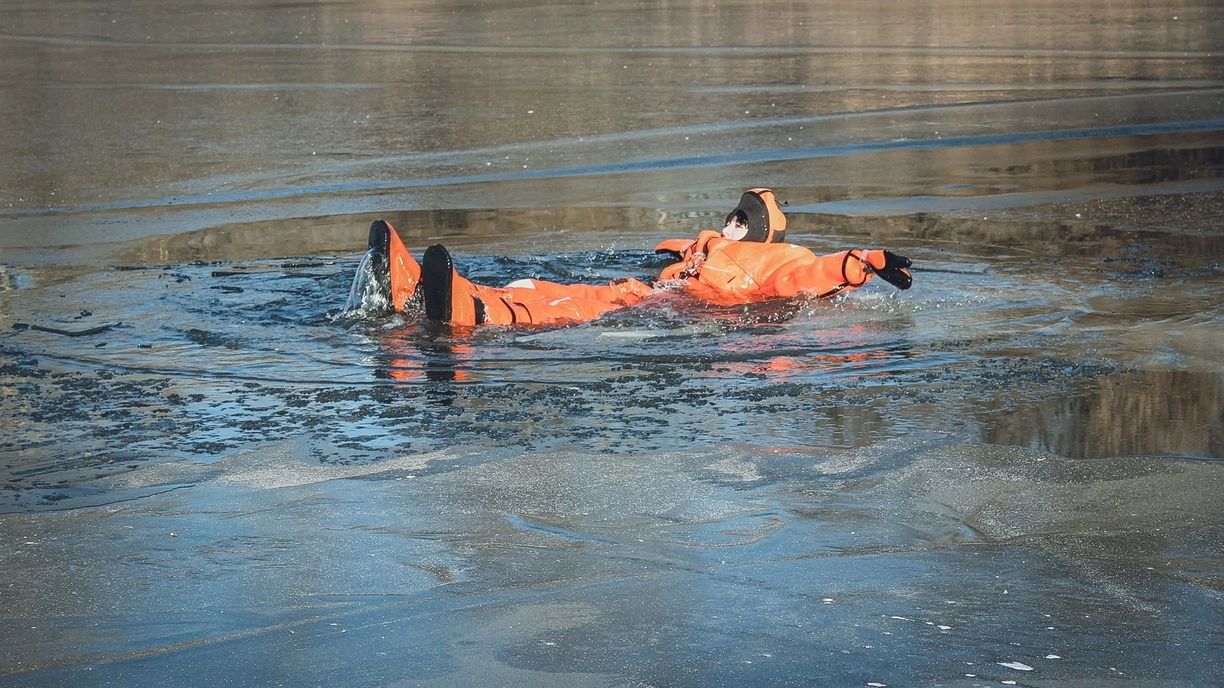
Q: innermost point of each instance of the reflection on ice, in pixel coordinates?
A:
(1116, 415)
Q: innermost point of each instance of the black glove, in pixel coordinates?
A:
(894, 271)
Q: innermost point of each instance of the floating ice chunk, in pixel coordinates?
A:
(900, 618)
(1018, 666)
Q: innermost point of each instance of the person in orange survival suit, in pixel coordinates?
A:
(747, 261)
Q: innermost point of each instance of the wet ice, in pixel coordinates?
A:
(252, 480)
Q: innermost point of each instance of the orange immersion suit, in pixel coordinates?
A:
(539, 302)
(726, 271)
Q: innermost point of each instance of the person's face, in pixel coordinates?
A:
(735, 230)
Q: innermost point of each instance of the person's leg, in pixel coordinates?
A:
(451, 298)
(625, 292)
(510, 307)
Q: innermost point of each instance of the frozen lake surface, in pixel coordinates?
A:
(1009, 474)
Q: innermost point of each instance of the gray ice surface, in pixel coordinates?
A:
(1007, 475)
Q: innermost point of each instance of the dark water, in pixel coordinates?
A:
(1010, 474)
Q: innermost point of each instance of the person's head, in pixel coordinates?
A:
(758, 217)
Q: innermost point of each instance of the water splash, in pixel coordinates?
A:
(365, 297)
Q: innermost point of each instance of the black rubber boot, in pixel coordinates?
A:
(380, 252)
(437, 279)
